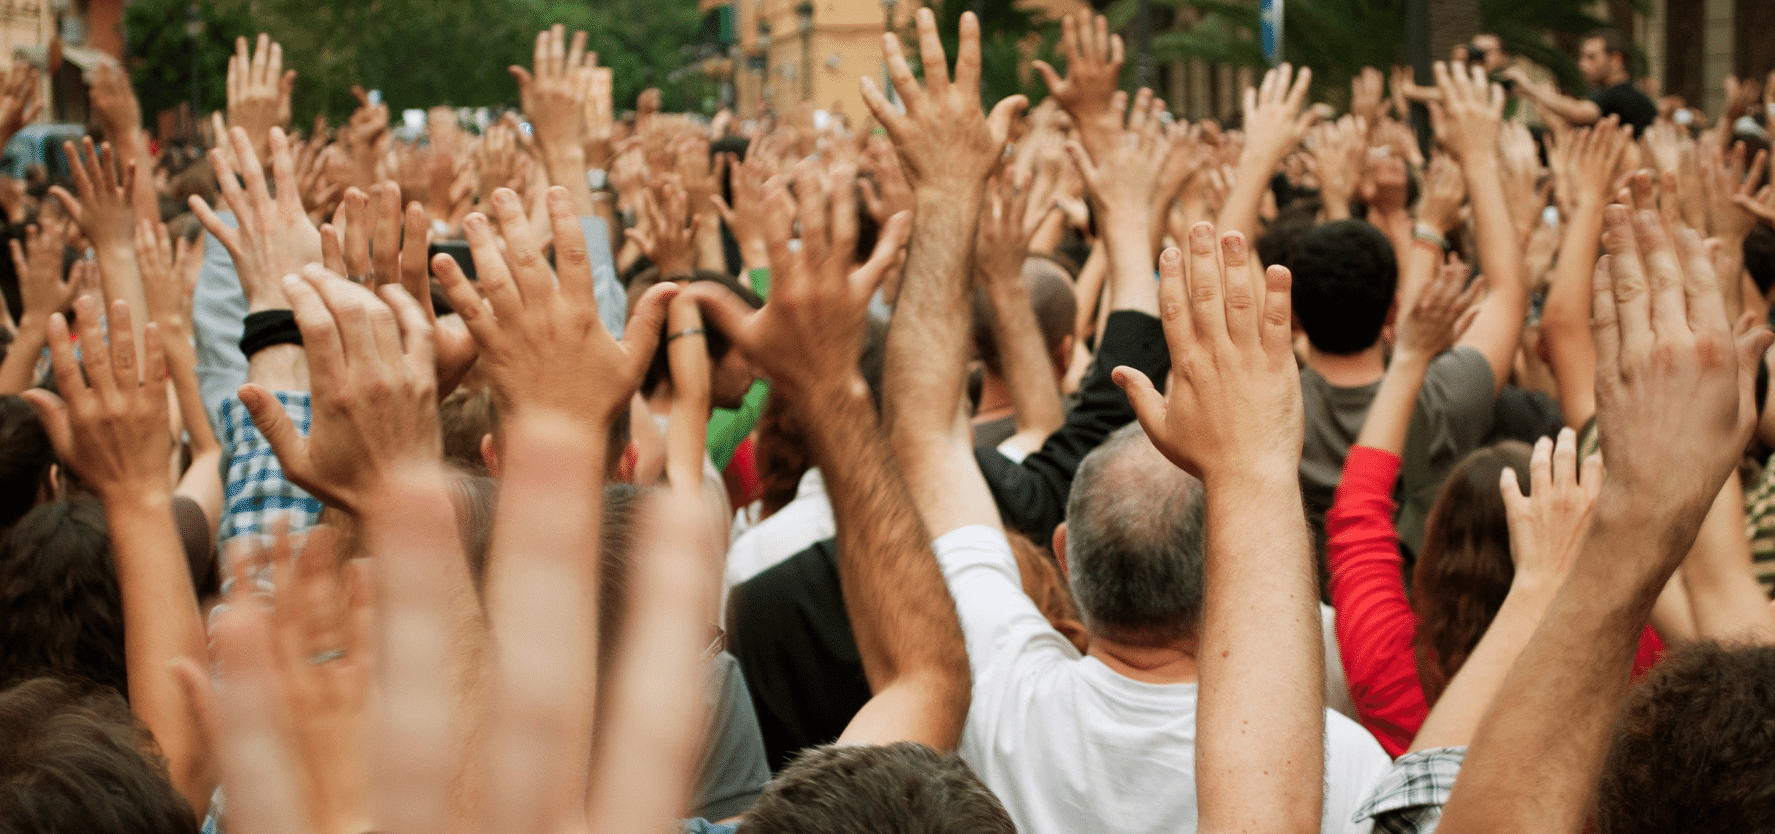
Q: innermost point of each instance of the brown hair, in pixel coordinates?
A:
(1464, 573)
(874, 787)
(75, 760)
(1695, 748)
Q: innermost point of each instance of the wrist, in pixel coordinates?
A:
(138, 494)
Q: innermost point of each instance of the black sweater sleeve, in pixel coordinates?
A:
(1031, 496)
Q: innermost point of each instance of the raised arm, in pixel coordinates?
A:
(1232, 416)
(998, 265)
(808, 337)
(110, 426)
(42, 293)
(1577, 111)
(1274, 125)
(1591, 159)
(1469, 116)
(105, 211)
(553, 95)
(1547, 529)
(1674, 409)
(947, 147)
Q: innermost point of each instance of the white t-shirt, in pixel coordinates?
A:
(796, 527)
(1071, 746)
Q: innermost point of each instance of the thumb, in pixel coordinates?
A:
(274, 423)
(641, 335)
(721, 309)
(1149, 405)
(53, 413)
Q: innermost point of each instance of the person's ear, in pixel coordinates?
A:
(490, 455)
(1060, 550)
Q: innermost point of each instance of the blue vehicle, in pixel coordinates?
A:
(40, 144)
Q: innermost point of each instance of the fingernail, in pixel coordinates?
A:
(1234, 243)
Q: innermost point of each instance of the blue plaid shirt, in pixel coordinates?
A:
(256, 493)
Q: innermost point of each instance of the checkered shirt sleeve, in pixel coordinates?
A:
(256, 493)
(1409, 798)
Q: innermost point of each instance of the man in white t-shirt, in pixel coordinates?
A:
(1105, 741)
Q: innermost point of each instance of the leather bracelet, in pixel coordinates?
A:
(268, 328)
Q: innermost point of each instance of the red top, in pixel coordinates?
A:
(1375, 623)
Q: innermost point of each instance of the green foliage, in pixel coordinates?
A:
(1337, 38)
(1010, 36)
(417, 52)
(161, 52)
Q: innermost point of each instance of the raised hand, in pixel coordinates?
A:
(259, 91)
(1338, 152)
(1366, 90)
(1445, 191)
(1443, 308)
(541, 342)
(1093, 72)
(109, 421)
(1547, 526)
(1468, 118)
(1123, 174)
(274, 238)
(370, 364)
(554, 99)
(667, 233)
(18, 99)
(1274, 120)
(744, 216)
(1724, 179)
(944, 140)
(885, 192)
(116, 106)
(38, 264)
(103, 210)
(1673, 408)
(1232, 406)
(808, 337)
(164, 266)
(1002, 242)
(364, 135)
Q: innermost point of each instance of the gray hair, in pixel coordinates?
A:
(1134, 542)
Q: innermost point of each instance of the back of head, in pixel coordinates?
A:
(58, 588)
(1134, 540)
(1464, 573)
(1695, 747)
(76, 761)
(1615, 42)
(1345, 275)
(1056, 308)
(902, 788)
(25, 456)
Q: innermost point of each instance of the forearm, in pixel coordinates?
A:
(1496, 329)
(566, 168)
(122, 279)
(1134, 284)
(709, 253)
(1726, 601)
(1455, 718)
(1535, 759)
(1389, 416)
(160, 625)
(1577, 111)
(1089, 289)
(900, 609)
(1250, 180)
(1565, 317)
(1035, 393)
(927, 346)
(279, 368)
(1261, 714)
(19, 367)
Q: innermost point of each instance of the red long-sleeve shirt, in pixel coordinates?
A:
(1375, 623)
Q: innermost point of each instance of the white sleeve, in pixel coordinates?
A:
(996, 615)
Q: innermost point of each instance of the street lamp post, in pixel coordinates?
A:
(194, 31)
(804, 17)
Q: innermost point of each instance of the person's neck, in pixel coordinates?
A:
(1171, 663)
(995, 398)
(1349, 370)
(1617, 78)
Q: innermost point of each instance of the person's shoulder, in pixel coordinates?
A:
(1461, 365)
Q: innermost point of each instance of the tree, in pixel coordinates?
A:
(1011, 36)
(160, 52)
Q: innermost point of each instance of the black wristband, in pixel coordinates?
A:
(271, 327)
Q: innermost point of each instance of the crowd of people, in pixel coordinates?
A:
(963, 468)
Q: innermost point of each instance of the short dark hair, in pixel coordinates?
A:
(1759, 257)
(1345, 275)
(1056, 310)
(1134, 541)
(25, 457)
(1614, 41)
(660, 369)
(876, 789)
(1695, 747)
(58, 587)
(76, 760)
